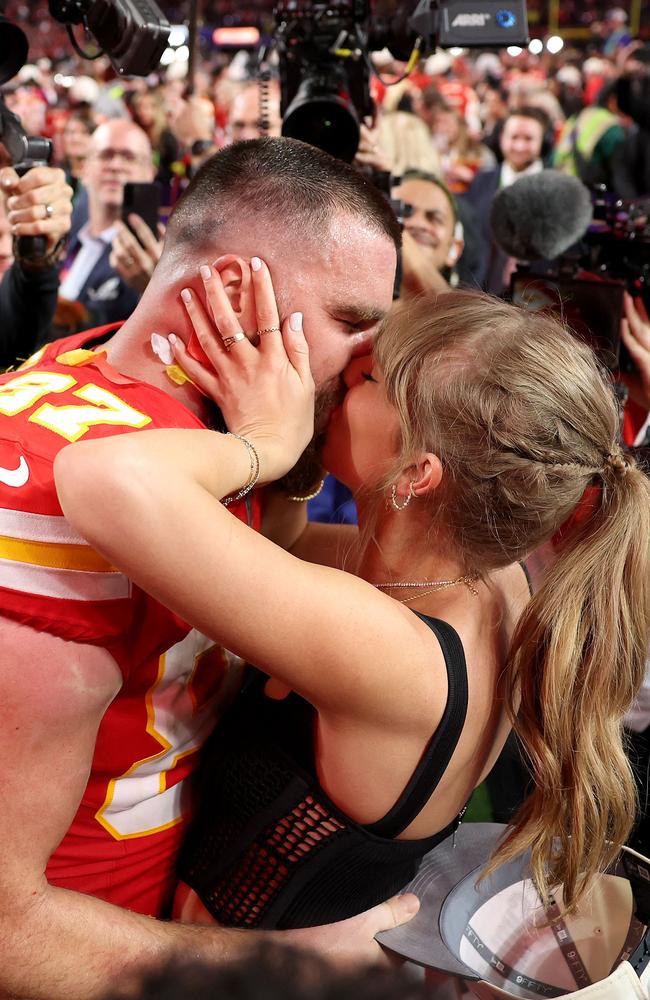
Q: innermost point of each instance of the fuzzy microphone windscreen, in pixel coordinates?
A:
(541, 215)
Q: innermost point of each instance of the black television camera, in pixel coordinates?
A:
(133, 33)
(586, 284)
(324, 52)
(24, 151)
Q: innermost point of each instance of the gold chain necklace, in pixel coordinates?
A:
(433, 586)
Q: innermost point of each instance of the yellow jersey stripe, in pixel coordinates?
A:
(53, 556)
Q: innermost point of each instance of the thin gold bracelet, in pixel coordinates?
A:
(254, 472)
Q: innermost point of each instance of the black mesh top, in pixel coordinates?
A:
(268, 848)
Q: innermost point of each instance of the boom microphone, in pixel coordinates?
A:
(541, 215)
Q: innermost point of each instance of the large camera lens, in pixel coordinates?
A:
(13, 49)
(323, 115)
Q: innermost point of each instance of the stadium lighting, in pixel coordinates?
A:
(514, 50)
(536, 47)
(243, 37)
(177, 36)
(555, 44)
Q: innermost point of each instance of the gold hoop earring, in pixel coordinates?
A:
(406, 501)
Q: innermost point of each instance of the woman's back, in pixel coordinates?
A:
(302, 821)
(493, 427)
(385, 755)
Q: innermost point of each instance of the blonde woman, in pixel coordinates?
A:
(399, 142)
(384, 696)
(407, 141)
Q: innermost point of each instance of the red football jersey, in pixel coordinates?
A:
(122, 843)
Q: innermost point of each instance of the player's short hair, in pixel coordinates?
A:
(282, 180)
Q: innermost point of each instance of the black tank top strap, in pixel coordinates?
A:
(529, 580)
(434, 762)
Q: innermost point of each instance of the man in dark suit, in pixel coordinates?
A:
(120, 152)
(523, 138)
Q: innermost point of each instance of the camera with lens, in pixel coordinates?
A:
(133, 33)
(324, 54)
(324, 79)
(24, 151)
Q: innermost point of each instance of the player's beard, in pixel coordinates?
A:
(308, 470)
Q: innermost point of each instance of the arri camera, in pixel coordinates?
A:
(324, 54)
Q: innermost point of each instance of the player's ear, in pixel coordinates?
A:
(235, 274)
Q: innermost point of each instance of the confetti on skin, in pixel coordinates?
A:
(162, 348)
(177, 375)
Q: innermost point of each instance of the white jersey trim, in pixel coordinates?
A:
(68, 584)
(38, 527)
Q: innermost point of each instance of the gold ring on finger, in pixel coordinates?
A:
(235, 339)
(268, 329)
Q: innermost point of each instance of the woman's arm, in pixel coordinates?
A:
(310, 626)
(313, 627)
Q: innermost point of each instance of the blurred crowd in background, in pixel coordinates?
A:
(460, 127)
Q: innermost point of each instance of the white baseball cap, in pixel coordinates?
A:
(501, 939)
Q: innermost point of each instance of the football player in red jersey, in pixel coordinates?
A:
(105, 696)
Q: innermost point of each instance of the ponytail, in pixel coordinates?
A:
(523, 420)
(577, 661)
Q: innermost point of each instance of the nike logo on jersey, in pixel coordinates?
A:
(15, 477)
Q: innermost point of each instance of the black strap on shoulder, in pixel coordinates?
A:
(434, 762)
(640, 958)
(529, 580)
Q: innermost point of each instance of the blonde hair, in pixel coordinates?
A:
(524, 422)
(407, 141)
(159, 124)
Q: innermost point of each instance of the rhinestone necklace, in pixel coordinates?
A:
(433, 586)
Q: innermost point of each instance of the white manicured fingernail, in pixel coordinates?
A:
(295, 322)
(162, 349)
(256, 263)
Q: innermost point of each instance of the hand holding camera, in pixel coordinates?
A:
(38, 204)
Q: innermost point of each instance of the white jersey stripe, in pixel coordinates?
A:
(68, 584)
(37, 527)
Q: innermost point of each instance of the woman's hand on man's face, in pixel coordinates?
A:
(260, 380)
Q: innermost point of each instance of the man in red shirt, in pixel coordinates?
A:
(105, 696)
